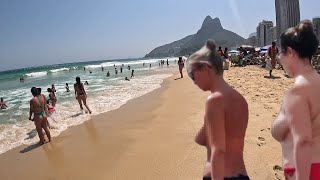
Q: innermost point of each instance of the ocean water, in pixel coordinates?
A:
(104, 93)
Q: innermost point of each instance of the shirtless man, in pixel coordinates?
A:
(225, 119)
(80, 94)
(297, 126)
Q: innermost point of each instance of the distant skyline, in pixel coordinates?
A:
(38, 32)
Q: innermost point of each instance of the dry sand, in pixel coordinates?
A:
(152, 137)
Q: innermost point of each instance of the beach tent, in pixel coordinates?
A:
(264, 49)
(247, 47)
(234, 52)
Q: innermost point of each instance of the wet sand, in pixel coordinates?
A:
(152, 137)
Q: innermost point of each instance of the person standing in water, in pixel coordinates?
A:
(226, 116)
(80, 94)
(52, 97)
(3, 104)
(39, 110)
(297, 126)
(53, 89)
(132, 73)
(67, 87)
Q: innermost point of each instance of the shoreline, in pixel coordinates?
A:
(89, 132)
(152, 136)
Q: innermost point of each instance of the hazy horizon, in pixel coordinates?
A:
(35, 33)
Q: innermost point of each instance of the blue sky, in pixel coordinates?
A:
(39, 32)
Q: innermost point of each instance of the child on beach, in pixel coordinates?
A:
(225, 119)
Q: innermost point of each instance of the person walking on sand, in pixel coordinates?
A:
(297, 126)
(181, 66)
(80, 94)
(225, 119)
(39, 111)
(272, 53)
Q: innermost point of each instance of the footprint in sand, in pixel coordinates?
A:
(277, 169)
(278, 177)
(261, 143)
(265, 129)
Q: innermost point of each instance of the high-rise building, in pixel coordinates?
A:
(252, 39)
(271, 35)
(316, 26)
(262, 32)
(287, 15)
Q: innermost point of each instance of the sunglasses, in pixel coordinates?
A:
(196, 66)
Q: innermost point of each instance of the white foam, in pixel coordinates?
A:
(58, 70)
(37, 74)
(101, 98)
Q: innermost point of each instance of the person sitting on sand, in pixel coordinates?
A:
(67, 87)
(225, 119)
(39, 111)
(297, 126)
(52, 97)
(3, 104)
(181, 66)
(127, 79)
(81, 94)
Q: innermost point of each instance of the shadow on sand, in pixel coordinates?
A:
(272, 77)
(177, 78)
(30, 147)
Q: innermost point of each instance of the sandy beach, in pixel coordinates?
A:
(152, 137)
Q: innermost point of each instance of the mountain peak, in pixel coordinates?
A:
(211, 23)
(207, 19)
(210, 29)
